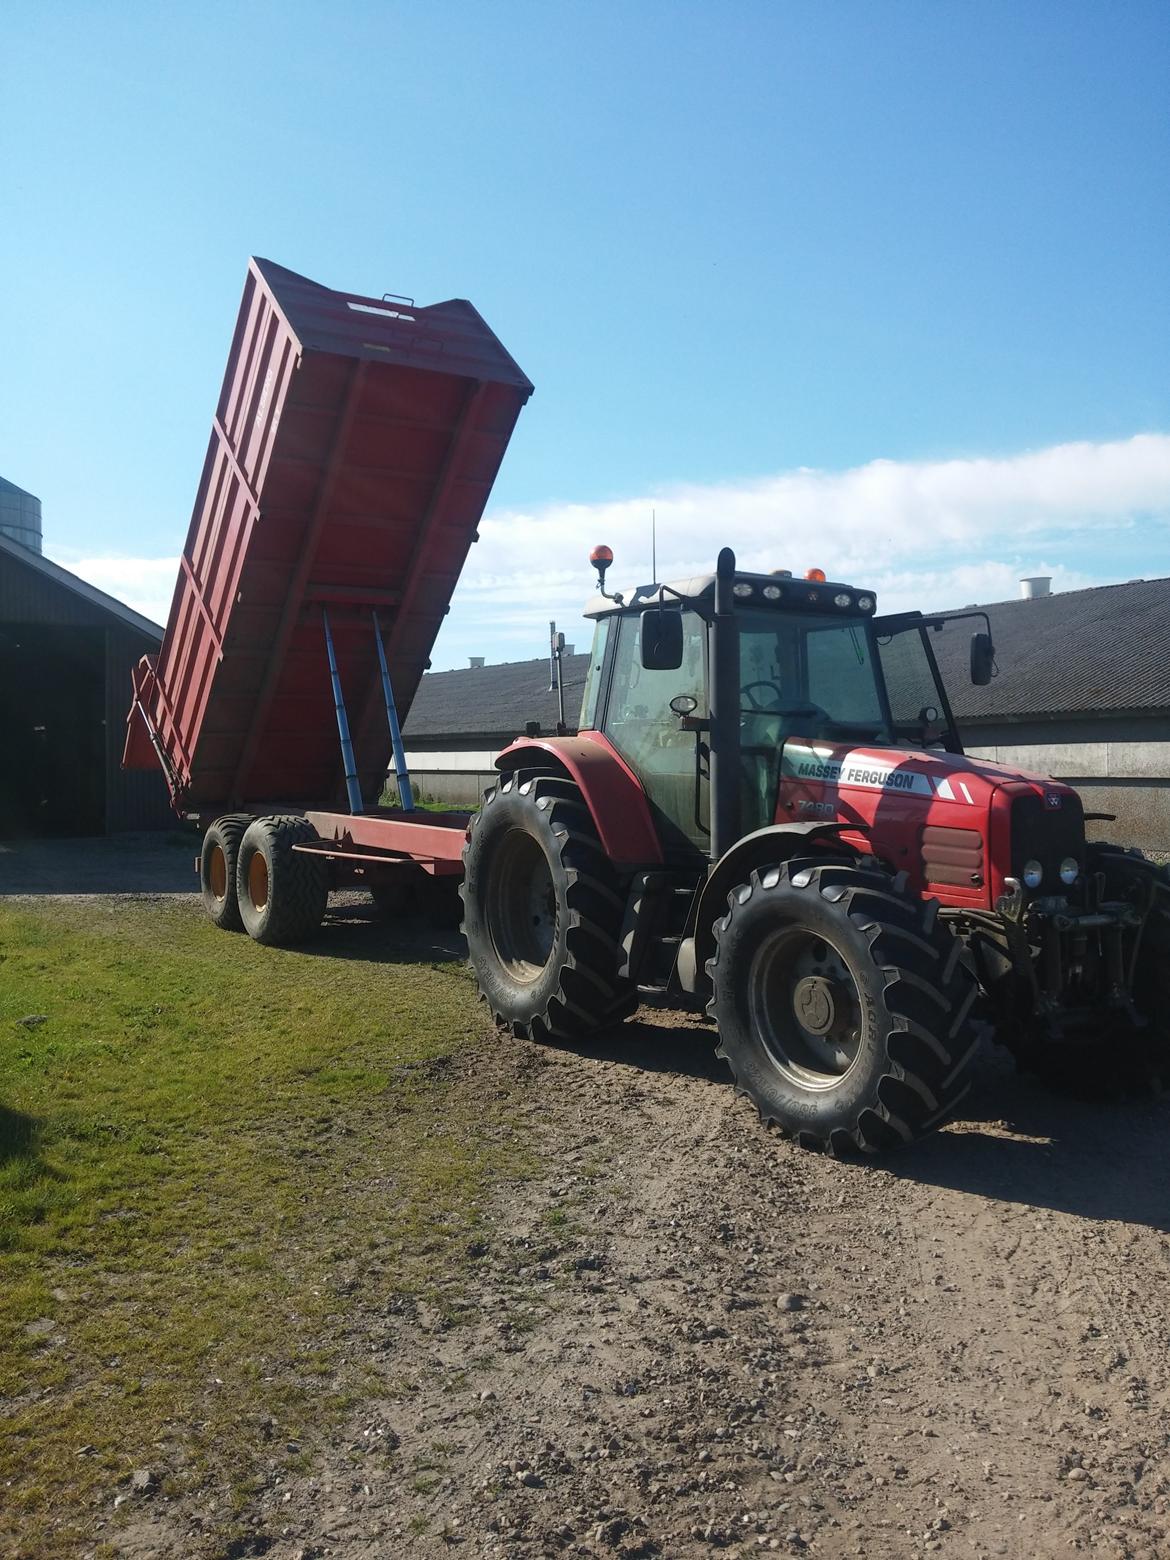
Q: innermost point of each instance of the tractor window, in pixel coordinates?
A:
(645, 730)
(841, 677)
(803, 676)
(917, 701)
(593, 675)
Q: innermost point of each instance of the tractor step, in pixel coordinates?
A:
(654, 926)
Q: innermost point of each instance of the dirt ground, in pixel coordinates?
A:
(691, 1337)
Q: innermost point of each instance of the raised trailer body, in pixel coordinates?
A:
(351, 455)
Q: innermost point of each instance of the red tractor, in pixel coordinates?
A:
(767, 810)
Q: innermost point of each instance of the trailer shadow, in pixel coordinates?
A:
(354, 929)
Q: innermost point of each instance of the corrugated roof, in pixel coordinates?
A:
(1100, 651)
(1105, 650)
(494, 701)
(59, 576)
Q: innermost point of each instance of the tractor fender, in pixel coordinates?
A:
(611, 790)
(763, 848)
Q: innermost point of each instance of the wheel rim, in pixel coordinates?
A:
(217, 873)
(522, 907)
(258, 881)
(804, 1004)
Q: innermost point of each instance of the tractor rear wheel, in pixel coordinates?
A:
(542, 912)
(282, 892)
(843, 1006)
(217, 870)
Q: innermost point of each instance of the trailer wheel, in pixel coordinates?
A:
(282, 892)
(217, 870)
(843, 1006)
(542, 912)
(1119, 1057)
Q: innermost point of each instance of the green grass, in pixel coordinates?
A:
(210, 1154)
(390, 798)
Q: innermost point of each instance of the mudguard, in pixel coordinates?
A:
(612, 792)
(763, 848)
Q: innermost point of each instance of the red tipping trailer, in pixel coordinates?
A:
(352, 452)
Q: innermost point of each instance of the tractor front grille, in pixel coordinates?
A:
(1047, 834)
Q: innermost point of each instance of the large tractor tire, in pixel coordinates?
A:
(282, 892)
(843, 1006)
(1118, 1057)
(217, 870)
(542, 912)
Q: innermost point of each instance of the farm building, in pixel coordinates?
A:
(1082, 694)
(66, 650)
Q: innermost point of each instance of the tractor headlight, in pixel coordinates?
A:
(1033, 874)
(842, 599)
(1070, 870)
(741, 589)
(865, 603)
(772, 592)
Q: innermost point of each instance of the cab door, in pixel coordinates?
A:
(639, 721)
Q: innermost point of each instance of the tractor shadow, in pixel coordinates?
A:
(1015, 1142)
(1019, 1142)
(659, 1040)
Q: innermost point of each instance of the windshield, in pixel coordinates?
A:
(809, 676)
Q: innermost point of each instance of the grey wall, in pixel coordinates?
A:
(1119, 766)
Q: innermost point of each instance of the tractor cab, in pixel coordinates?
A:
(801, 658)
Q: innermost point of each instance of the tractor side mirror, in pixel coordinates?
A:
(662, 640)
(982, 659)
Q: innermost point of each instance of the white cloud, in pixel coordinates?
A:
(145, 584)
(932, 534)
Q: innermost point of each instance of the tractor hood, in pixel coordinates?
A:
(944, 819)
(929, 775)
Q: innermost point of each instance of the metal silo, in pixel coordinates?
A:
(20, 516)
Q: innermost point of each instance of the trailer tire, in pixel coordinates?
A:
(843, 1006)
(1120, 1059)
(217, 870)
(542, 912)
(282, 892)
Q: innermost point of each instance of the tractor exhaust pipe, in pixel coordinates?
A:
(726, 776)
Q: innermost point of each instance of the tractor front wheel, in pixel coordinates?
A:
(282, 892)
(542, 912)
(843, 1006)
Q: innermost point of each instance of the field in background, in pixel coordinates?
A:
(205, 1148)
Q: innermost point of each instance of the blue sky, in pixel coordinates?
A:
(729, 243)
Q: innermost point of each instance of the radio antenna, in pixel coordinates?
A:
(654, 547)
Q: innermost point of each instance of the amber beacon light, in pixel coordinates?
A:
(601, 557)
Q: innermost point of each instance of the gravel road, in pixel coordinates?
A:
(694, 1338)
(690, 1337)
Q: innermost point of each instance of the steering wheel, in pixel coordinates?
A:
(782, 706)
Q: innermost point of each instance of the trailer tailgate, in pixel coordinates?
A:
(351, 456)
